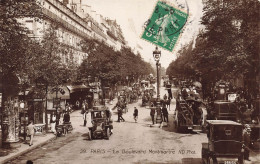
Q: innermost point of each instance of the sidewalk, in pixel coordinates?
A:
(38, 140)
(24, 147)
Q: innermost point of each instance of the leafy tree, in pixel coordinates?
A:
(228, 46)
(47, 61)
(109, 65)
(13, 39)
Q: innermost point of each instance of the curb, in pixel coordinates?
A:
(27, 150)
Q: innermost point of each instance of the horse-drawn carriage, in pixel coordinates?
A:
(147, 96)
(145, 99)
(136, 88)
(133, 96)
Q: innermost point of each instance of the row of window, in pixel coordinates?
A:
(73, 56)
(59, 11)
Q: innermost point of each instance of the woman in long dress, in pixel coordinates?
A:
(53, 122)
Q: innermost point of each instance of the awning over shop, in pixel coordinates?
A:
(77, 88)
(66, 95)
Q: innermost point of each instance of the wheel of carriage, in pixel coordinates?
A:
(108, 133)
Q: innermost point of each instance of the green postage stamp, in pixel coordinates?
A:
(164, 26)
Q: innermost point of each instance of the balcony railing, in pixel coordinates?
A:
(64, 23)
(60, 6)
(98, 31)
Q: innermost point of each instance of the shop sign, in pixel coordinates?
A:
(58, 90)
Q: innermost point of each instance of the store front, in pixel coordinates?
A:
(79, 93)
(56, 101)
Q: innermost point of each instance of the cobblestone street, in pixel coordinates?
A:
(130, 141)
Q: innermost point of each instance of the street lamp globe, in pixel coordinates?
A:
(156, 54)
(22, 105)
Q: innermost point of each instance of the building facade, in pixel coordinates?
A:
(74, 22)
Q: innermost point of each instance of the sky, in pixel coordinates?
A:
(132, 14)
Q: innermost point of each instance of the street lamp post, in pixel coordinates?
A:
(157, 55)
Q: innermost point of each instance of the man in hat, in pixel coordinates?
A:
(31, 128)
(165, 113)
(120, 115)
(152, 113)
(135, 114)
(246, 138)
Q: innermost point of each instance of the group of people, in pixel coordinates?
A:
(120, 115)
(55, 120)
(162, 113)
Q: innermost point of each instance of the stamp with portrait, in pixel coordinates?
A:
(164, 26)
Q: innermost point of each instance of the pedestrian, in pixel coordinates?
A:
(152, 113)
(53, 122)
(89, 123)
(30, 129)
(66, 121)
(85, 102)
(170, 93)
(85, 118)
(246, 115)
(246, 139)
(58, 116)
(159, 114)
(120, 115)
(67, 108)
(77, 104)
(165, 114)
(66, 118)
(108, 113)
(135, 114)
